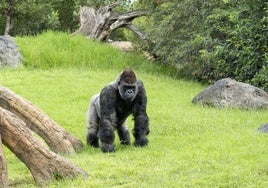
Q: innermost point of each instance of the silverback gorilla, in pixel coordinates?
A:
(109, 110)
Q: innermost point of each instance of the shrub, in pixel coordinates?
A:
(209, 40)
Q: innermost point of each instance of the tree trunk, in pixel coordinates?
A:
(9, 16)
(43, 163)
(87, 20)
(3, 167)
(58, 139)
(101, 23)
(9, 25)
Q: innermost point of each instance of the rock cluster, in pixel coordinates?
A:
(9, 52)
(230, 93)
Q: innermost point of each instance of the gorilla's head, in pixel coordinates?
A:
(128, 85)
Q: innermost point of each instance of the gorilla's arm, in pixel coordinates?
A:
(107, 119)
(141, 125)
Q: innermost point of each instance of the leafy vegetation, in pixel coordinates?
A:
(190, 145)
(204, 40)
(31, 17)
(210, 40)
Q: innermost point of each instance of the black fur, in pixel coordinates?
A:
(114, 108)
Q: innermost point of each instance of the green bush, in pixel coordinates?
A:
(210, 40)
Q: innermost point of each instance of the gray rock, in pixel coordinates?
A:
(263, 128)
(9, 52)
(230, 93)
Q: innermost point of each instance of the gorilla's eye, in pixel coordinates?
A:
(127, 88)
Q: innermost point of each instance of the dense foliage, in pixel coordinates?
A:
(31, 17)
(209, 40)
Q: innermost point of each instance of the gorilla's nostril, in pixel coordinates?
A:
(130, 92)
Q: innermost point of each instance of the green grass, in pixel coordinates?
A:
(190, 145)
(52, 50)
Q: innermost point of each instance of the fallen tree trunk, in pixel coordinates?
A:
(57, 138)
(99, 24)
(43, 163)
(3, 167)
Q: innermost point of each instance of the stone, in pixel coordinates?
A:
(125, 46)
(9, 52)
(263, 128)
(230, 93)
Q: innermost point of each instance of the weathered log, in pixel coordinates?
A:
(87, 21)
(99, 24)
(58, 139)
(3, 167)
(43, 163)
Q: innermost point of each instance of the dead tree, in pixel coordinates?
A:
(99, 24)
(44, 164)
(3, 167)
(58, 139)
(18, 117)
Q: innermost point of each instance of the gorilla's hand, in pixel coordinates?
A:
(107, 148)
(140, 142)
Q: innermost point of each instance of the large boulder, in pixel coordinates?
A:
(9, 52)
(230, 93)
(125, 46)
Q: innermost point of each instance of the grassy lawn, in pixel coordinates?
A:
(190, 145)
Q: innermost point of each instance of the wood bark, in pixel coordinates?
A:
(44, 164)
(99, 24)
(87, 21)
(57, 138)
(3, 167)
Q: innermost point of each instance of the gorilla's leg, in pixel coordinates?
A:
(92, 138)
(92, 125)
(106, 135)
(141, 130)
(123, 134)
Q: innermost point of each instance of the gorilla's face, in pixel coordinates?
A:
(127, 85)
(127, 91)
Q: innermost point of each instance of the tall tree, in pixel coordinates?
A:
(10, 10)
(29, 16)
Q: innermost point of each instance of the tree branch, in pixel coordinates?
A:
(136, 30)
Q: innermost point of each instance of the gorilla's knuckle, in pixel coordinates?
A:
(107, 148)
(141, 142)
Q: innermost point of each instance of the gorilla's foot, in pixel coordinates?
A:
(94, 144)
(92, 140)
